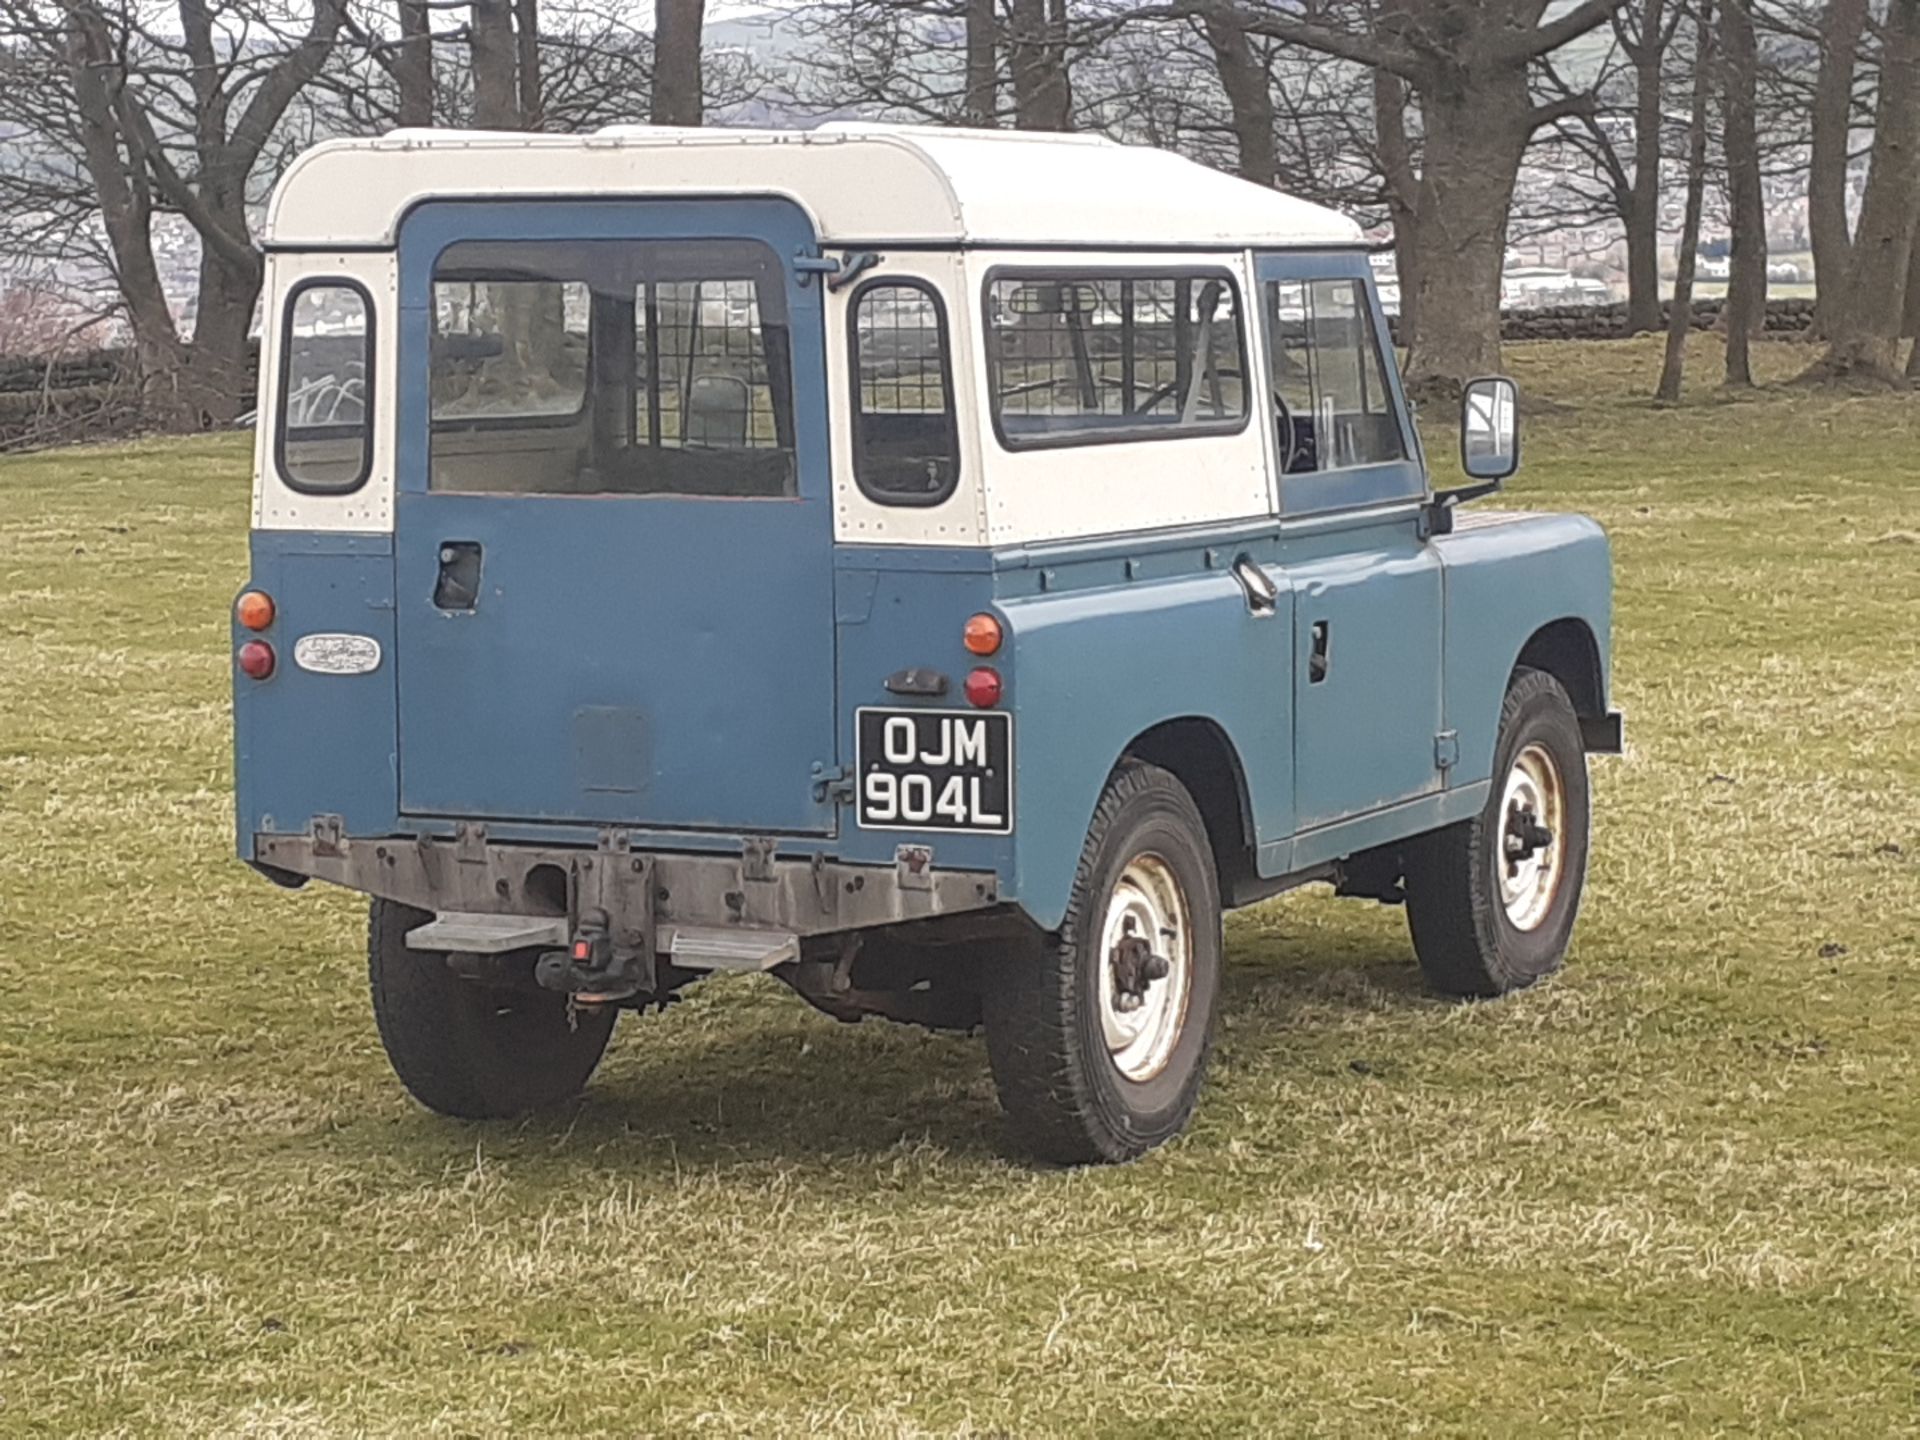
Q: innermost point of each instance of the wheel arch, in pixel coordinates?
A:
(1568, 650)
(1200, 754)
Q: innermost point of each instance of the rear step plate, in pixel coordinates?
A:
(488, 934)
(703, 947)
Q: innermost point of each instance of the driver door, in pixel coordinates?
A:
(1367, 585)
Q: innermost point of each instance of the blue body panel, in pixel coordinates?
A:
(1508, 576)
(690, 669)
(308, 744)
(660, 660)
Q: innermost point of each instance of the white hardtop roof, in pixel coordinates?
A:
(862, 184)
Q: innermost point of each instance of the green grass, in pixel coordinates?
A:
(1676, 1189)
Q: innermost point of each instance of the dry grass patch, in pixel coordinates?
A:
(1672, 1190)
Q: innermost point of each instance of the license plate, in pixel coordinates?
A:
(935, 770)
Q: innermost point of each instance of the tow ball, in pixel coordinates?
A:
(1135, 967)
(590, 970)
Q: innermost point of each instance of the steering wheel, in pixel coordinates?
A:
(1283, 420)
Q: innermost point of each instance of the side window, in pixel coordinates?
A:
(1332, 405)
(612, 367)
(906, 443)
(1077, 359)
(325, 440)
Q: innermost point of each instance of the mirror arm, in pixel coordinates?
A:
(1436, 516)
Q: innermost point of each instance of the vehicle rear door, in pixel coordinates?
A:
(613, 536)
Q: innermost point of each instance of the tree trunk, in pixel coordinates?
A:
(1402, 190)
(1746, 309)
(413, 64)
(526, 26)
(1477, 127)
(1864, 328)
(678, 89)
(496, 97)
(983, 74)
(1643, 202)
(1680, 320)
(1041, 99)
(1830, 125)
(1249, 96)
(215, 383)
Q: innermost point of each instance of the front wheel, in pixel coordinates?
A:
(1099, 1035)
(468, 1050)
(1491, 901)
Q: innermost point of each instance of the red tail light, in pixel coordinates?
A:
(255, 659)
(983, 687)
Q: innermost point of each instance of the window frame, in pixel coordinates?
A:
(932, 292)
(1118, 435)
(283, 388)
(1402, 482)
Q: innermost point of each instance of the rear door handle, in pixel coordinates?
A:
(458, 585)
(1263, 596)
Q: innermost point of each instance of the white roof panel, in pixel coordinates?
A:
(861, 183)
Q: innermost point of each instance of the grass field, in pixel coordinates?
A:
(1677, 1189)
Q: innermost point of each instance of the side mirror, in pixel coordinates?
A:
(1490, 429)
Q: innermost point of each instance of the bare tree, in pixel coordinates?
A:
(170, 116)
(412, 64)
(678, 95)
(1830, 129)
(1746, 306)
(1249, 91)
(1680, 318)
(1468, 67)
(1865, 319)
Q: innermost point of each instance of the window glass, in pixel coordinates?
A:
(509, 349)
(1332, 406)
(326, 440)
(906, 447)
(612, 367)
(1081, 358)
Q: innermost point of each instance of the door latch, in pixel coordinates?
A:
(458, 585)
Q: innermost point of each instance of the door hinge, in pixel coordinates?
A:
(831, 782)
(1446, 750)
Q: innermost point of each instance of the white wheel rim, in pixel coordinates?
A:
(1530, 851)
(1141, 1030)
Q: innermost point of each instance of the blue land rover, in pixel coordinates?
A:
(941, 570)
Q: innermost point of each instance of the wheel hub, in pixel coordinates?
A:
(1147, 966)
(1533, 826)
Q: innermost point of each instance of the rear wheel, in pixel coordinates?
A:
(1099, 1035)
(1491, 901)
(468, 1050)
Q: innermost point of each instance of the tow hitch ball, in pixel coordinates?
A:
(590, 970)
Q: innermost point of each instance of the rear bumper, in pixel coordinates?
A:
(805, 895)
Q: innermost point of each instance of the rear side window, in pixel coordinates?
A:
(325, 440)
(1329, 375)
(1082, 358)
(906, 442)
(615, 367)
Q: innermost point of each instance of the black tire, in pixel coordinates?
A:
(1066, 1099)
(467, 1050)
(1467, 942)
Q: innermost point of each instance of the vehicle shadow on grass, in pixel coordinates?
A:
(723, 1086)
